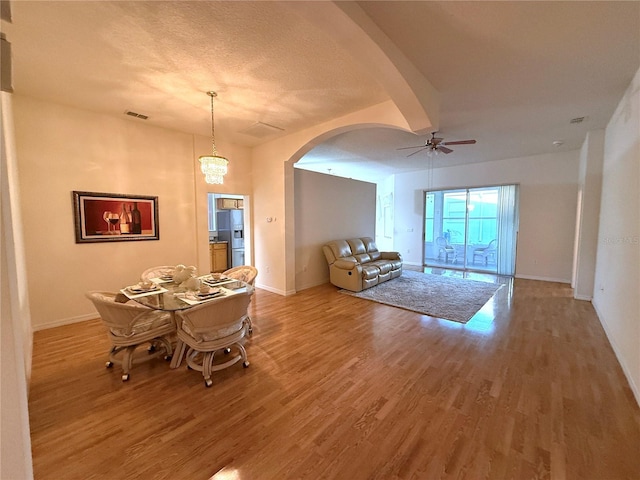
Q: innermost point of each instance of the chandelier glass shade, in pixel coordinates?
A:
(214, 167)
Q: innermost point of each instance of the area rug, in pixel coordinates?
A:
(450, 298)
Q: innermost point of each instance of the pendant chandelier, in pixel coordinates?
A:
(213, 166)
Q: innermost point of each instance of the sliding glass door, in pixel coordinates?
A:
(472, 229)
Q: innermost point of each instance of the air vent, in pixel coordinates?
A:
(260, 130)
(577, 120)
(137, 115)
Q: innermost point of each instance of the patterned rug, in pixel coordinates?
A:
(450, 298)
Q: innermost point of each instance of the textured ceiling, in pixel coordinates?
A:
(510, 74)
(159, 58)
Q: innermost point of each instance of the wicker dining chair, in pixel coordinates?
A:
(247, 274)
(129, 326)
(213, 327)
(157, 272)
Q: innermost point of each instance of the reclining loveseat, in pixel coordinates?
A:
(356, 263)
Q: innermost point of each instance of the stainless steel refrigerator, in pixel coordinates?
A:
(230, 225)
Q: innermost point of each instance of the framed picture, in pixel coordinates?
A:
(114, 217)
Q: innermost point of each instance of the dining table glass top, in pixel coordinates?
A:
(168, 296)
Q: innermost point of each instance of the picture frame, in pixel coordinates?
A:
(114, 217)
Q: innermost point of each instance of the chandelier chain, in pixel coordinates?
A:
(213, 132)
(213, 166)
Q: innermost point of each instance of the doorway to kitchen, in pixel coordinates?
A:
(227, 231)
(472, 229)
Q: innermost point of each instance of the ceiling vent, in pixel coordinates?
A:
(577, 120)
(261, 130)
(137, 115)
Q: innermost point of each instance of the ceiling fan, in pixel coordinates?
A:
(434, 145)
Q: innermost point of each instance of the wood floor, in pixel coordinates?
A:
(344, 388)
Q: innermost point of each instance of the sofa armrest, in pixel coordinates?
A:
(345, 264)
(391, 255)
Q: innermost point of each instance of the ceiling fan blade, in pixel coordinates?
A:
(405, 148)
(460, 142)
(418, 151)
(443, 149)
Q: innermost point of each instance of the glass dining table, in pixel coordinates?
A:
(168, 296)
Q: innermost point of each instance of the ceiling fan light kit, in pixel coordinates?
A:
(434, 145)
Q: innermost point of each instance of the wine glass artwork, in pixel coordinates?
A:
(105, 216)
(111, 219)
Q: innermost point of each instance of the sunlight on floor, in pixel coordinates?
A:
(481, 322)
(227, 474)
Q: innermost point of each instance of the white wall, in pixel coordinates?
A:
(15, 324)
(384, 200)
(61, 149)
(617, 274)
(273, 189)
(328, 208)
(237, 181)
(586, 241)
(548, 196)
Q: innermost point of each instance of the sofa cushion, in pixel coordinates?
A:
(384, 277)
(370, 271)
(363, 257)
(371, 248)
(340, 249)
(395, 264)
(357, 246)
(369, 244)
(369, 282)
(384, 266)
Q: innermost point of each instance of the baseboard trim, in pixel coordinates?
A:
(413, 264)
(583, 297)
(66, 321)
(543, 279)
(92, 316)
(634, 388)
(284, 293)
(311, 285)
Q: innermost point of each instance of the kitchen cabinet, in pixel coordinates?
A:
(229, 203)
(218, 254)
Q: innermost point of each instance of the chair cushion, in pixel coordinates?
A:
(147, 321)
(244, 275)
(213, 334)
